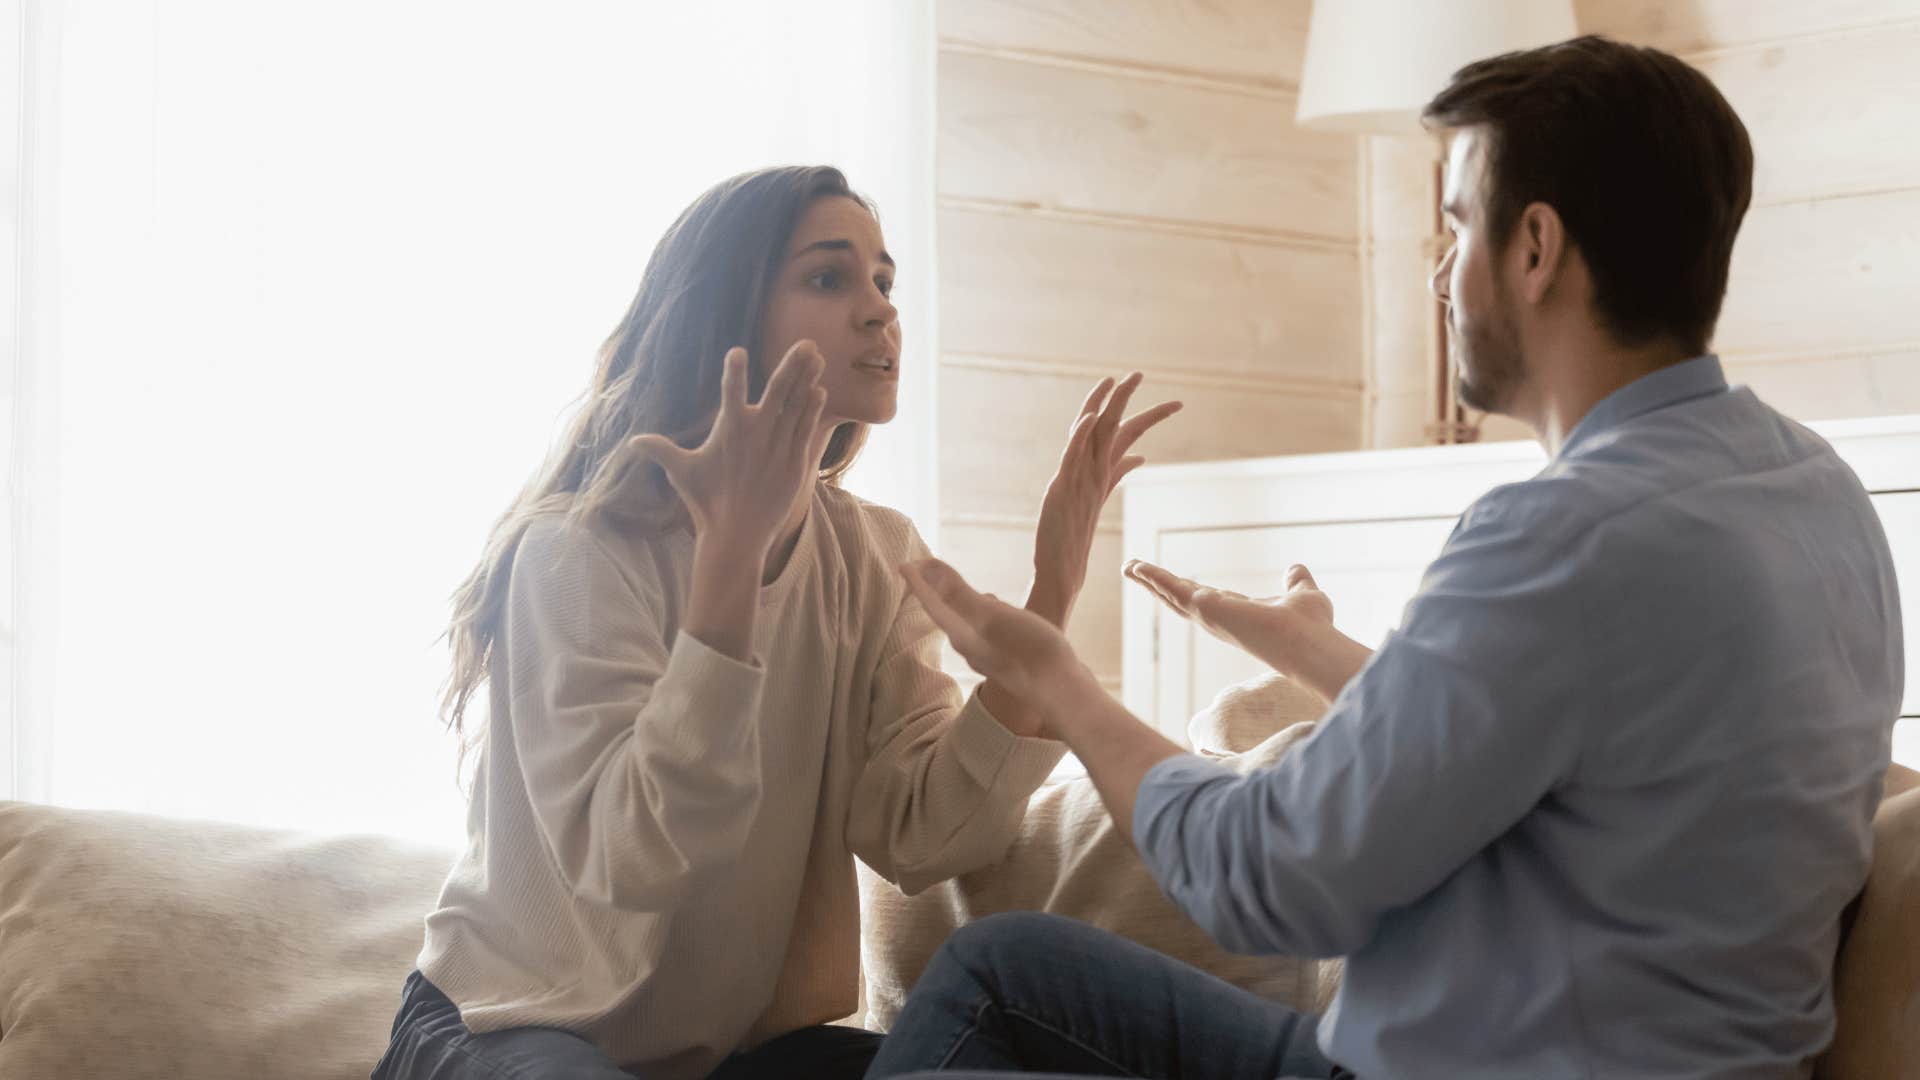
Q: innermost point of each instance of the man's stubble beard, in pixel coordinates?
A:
(1491, 351)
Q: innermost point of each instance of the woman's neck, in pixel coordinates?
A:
(782, 549)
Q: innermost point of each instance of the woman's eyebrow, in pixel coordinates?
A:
(837, 245)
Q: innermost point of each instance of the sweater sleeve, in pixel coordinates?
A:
(641, 760)
(945, 784)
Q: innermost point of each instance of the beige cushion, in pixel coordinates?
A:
(135, 946)
(1247, 714)
(1877, 984)
(1069, 860)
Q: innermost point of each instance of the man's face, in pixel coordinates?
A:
(1483, 338)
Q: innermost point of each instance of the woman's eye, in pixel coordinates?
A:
(825, 279)
(886, 286)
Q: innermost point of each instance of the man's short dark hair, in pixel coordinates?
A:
(1647, 165)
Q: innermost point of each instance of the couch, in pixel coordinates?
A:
(134, 946)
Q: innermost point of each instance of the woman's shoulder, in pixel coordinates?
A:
(879, 531)
(563, 547)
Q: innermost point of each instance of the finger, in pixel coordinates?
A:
(1179, 588)
(806, 423)
(1127, 465)
(813, 363)
(1091, 406)
(1159, 583)
(1131, 431)
(661, 451)
(733, 384)
(792, 365)
(945, 596)
(1115, 409)
(657, 448)
(1172, 604)
(788, 403)
(1078, 439)
(794, 397)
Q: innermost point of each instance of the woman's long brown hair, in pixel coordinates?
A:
(704, 291)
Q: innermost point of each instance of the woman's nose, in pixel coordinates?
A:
(880, 312)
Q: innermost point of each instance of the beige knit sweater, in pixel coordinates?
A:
(660, 838)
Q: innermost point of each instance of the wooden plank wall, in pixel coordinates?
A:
(1819, 317)
(1121, 186)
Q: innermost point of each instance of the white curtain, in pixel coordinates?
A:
(307, 289)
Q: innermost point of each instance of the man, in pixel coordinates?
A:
(1596, 807)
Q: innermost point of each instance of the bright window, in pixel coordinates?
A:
(310, 289)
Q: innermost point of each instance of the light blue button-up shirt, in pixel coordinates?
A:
(1595, 809)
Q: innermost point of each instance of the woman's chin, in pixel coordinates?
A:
(872, 408)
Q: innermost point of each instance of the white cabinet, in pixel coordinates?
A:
(1368, 524)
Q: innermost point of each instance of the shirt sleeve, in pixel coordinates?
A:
(641, 761)
(945, 785)
(1459, 725)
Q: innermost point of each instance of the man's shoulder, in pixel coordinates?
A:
(1554, 504)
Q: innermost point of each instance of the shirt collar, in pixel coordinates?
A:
(1670, 385)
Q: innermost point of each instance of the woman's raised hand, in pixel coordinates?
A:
(1023, 652)
(740, 484)
(1094, 462)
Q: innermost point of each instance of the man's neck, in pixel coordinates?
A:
(1565, 388)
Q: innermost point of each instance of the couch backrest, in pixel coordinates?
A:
(137, 946)
(1877, 984)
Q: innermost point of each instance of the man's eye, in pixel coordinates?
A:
(886, 286)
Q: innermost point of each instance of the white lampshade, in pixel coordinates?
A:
(1373, 64)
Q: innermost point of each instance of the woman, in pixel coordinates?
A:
(707, 687)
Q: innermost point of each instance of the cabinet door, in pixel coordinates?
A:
(1370, 569)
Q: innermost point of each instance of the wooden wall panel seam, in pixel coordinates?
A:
(1156, 375)
(1756, 358)
(1832, 194)
(1239, 234)
(1700, 56)
(980, 519)
(1268, 89)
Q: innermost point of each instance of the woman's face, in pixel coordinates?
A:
(833, 290)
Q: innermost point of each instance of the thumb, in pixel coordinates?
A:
(661, 451)
(950, 601)
(1298, 577)
(947, 584)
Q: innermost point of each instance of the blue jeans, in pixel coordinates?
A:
(1026, 992)
(431, 1043)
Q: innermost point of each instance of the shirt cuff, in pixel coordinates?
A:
(997, 758)
(705, 701)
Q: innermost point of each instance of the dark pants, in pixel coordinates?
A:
(431, 1043)
(1025, 992)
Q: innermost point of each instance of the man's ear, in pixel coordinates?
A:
(1542, 243)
